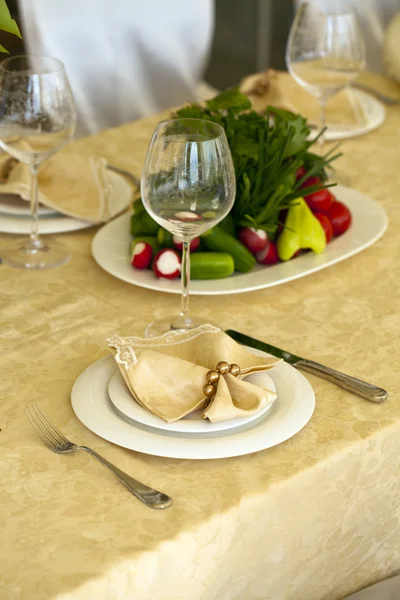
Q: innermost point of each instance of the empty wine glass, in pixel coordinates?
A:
(188, 186)
(37, 118)
(325, 50)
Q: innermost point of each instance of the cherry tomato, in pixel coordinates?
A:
(311, 181)
(340, 217)
(319, 201)
(326, 224)
(301, 171)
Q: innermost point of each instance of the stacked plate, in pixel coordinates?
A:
(103, 403)
(15, 217)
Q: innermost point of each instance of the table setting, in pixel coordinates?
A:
(250, 440)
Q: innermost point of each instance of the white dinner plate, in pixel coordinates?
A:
(290, 413)
(111, 250)
(47, 224)
(373, 113)
(122, 400)
(11, 204)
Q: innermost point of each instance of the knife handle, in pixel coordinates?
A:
(356, 386)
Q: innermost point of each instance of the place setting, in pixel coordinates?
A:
(42, 190)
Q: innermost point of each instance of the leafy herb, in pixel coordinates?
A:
(267, 150)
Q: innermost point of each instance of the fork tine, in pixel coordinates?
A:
(57, 433)
(47, 430)
(37, 429)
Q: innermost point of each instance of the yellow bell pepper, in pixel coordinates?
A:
(302, 231)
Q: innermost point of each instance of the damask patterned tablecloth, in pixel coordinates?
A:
(314, 518)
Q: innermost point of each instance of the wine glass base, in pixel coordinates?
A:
(34, 254)
(175, 323)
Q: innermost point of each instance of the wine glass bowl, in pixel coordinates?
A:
(188, 186)
(325, 50)
(37, 118)
(187, 179)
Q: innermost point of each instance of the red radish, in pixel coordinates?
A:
(320, 200)
(311, 181)
(326, 224)
(194, 244)
(268, 256)
(141, 257)
(167, 264)
(255, 240)
(301, 171)
(340, 217)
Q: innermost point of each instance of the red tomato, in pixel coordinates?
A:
(268, 256)
(319, 201)
(301, 171)
(340, 217)
(326, 224)
(311, 181)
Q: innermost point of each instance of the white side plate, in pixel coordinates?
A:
(125, 404)
(111, 250)
(288, 415)
(11, 204)
(47, 224)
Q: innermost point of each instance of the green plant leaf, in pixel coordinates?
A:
(4, 50)
(231, 99)
(7, 23)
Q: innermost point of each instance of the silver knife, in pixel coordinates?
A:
(132, 178)
(356, 386)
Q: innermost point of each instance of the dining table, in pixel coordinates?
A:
(316, 517)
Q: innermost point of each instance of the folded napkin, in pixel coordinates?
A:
(76, 185)
(279, 89)
(166, 375)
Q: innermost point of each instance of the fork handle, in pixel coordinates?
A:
(356, 386)
(147, 495)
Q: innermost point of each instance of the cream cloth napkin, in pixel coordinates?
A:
(166, 375)
(76, 185)
(271, 88)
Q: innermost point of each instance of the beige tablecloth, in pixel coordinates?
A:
(314, 518)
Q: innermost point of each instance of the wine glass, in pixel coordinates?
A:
(325, 51)
(37, 118)
(188, 185)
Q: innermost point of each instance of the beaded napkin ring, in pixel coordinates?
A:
(222, 368)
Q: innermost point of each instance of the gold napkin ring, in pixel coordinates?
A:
(222, 368)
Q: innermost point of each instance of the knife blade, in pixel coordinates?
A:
(352, 384)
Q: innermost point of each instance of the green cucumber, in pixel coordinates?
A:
(228, 224)
(164, 238)
(211, 265)
(218, 241)
(143, 224)
(146, 240)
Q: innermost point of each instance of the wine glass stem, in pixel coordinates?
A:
(34, 205)
(185, 276)
(322, 118)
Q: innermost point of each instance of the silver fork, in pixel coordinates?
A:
(57, 442)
